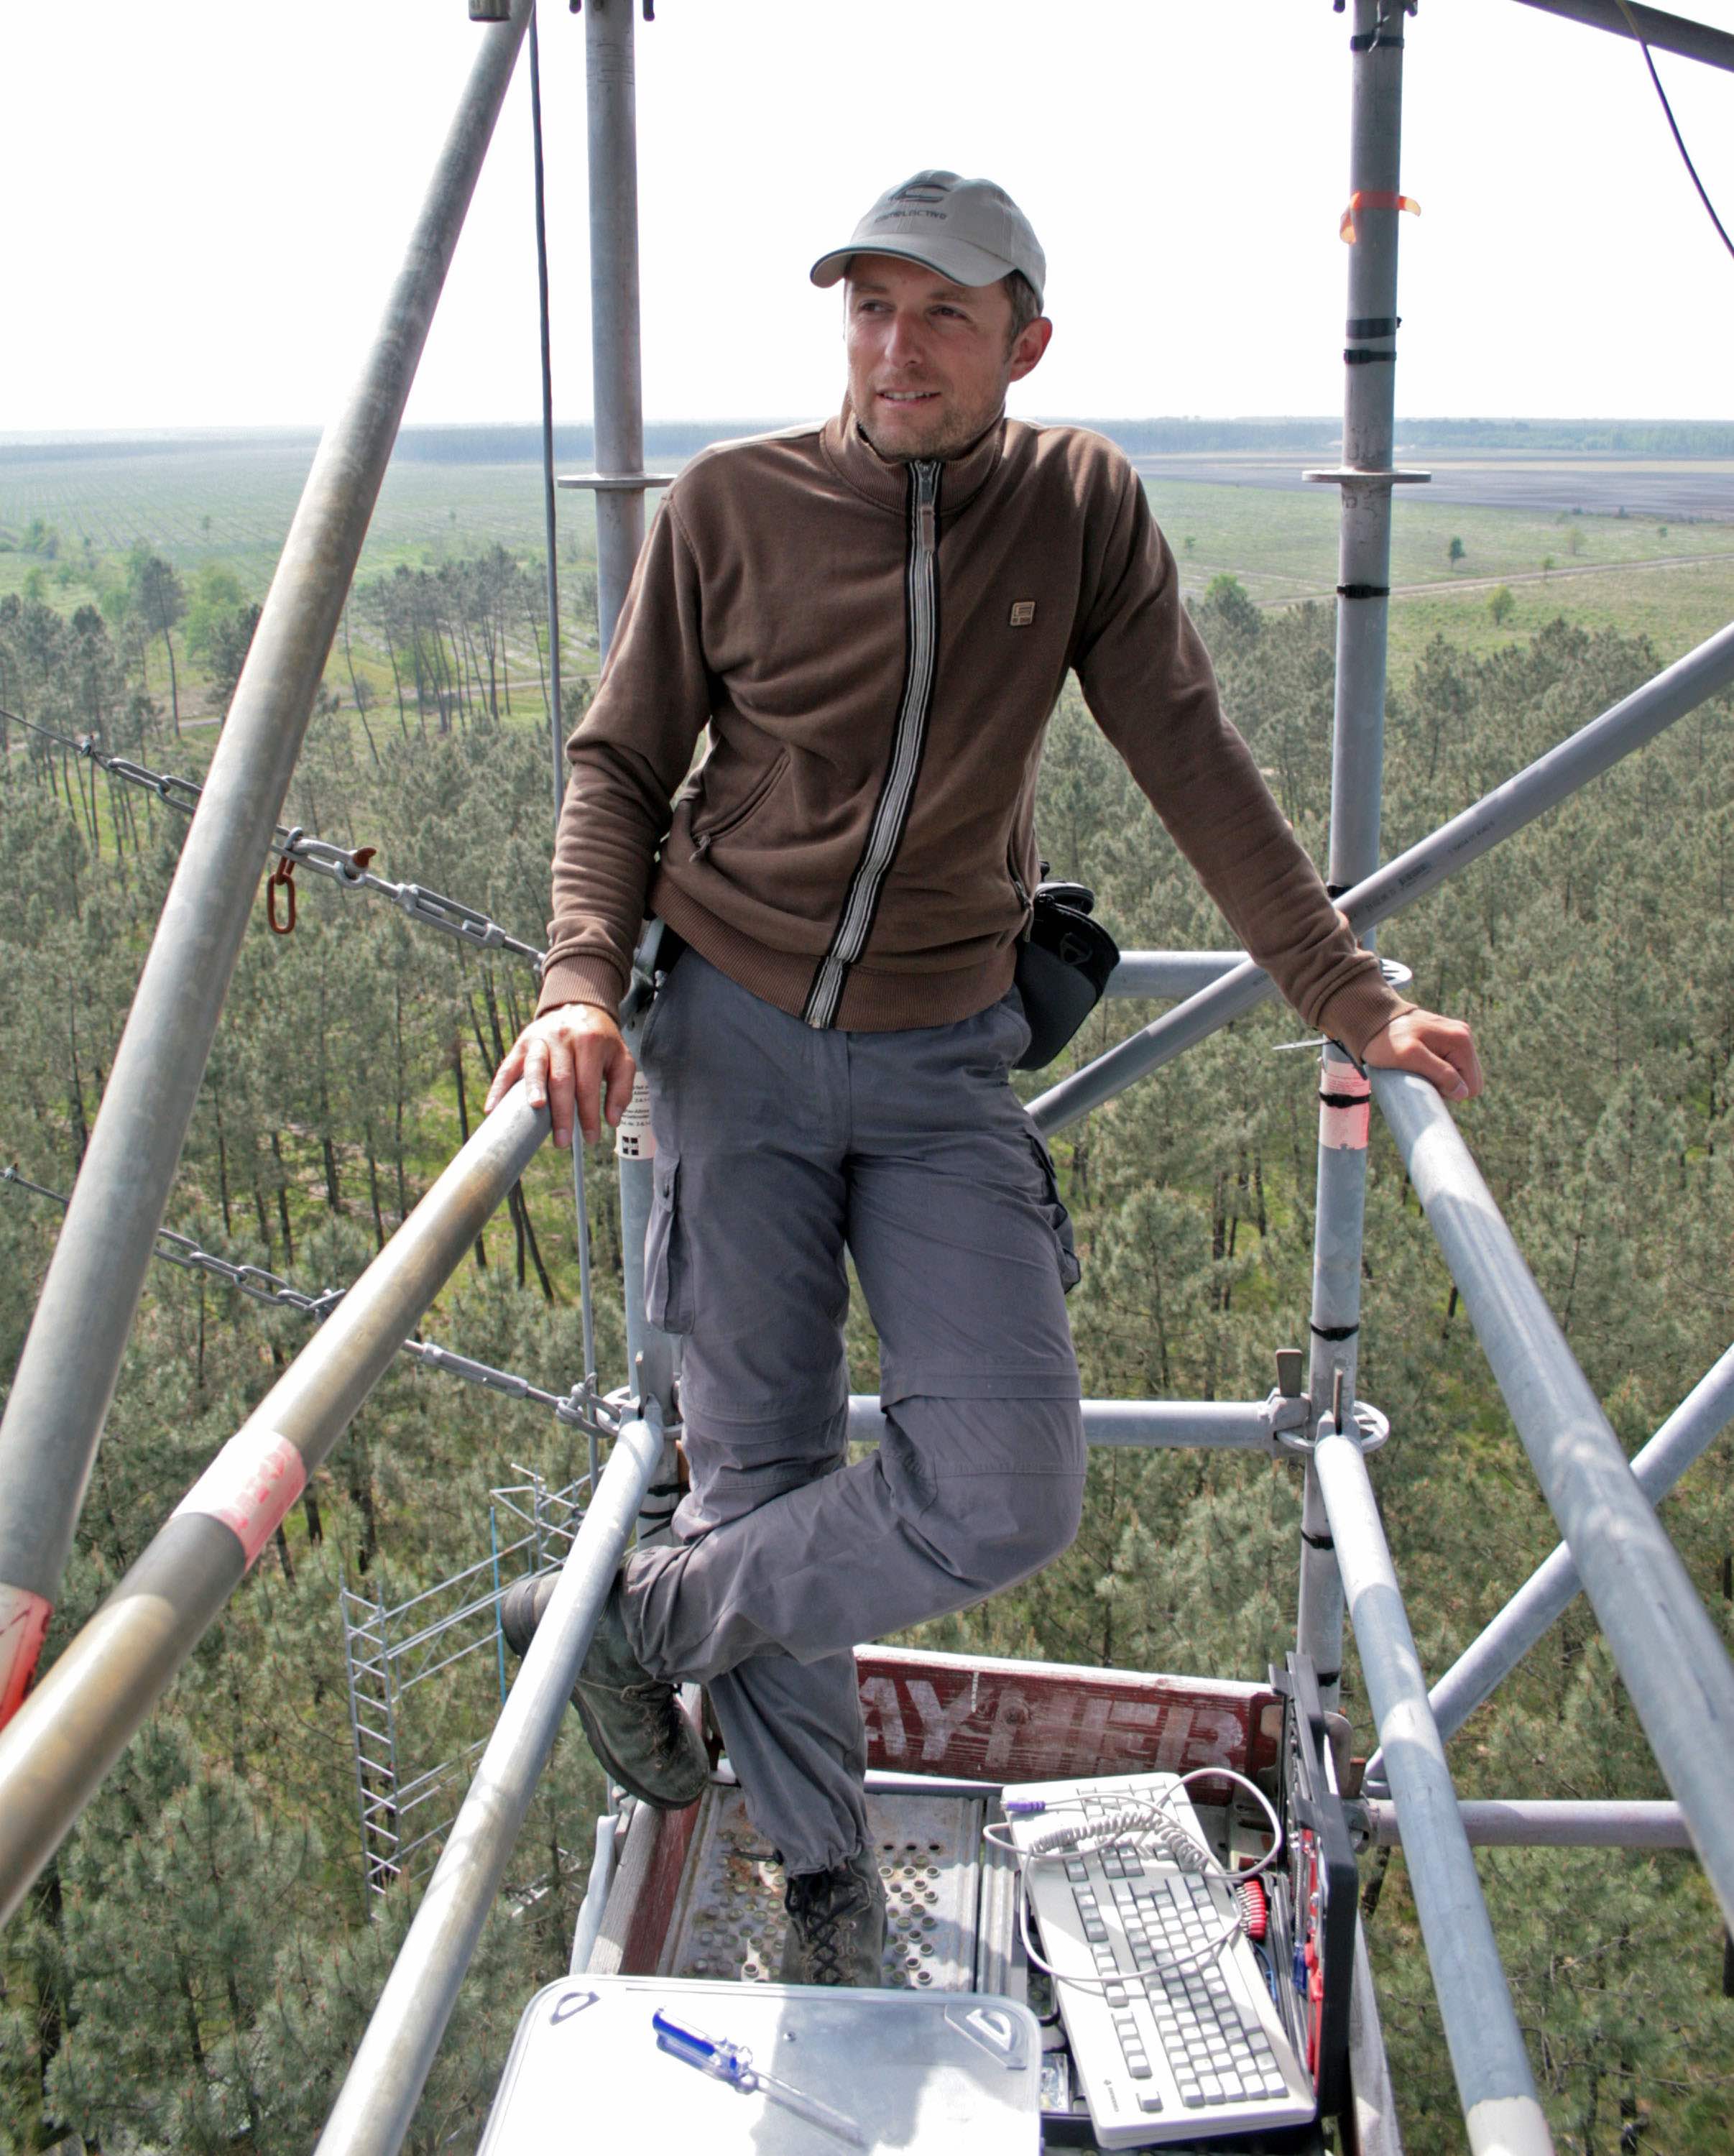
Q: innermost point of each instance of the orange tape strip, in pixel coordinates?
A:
(1372, 198)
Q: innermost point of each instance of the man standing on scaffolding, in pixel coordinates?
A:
(873, 618)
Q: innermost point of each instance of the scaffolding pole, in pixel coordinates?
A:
(1549, 1590)
(1414, 874)
(619, 483)
(1213, 1426)
(66, 1375)
(385, 2080)
(611, 110)
(1667, 34)
(1170, 974)
(1675, 1668)
(1358, 755)
(1488, 2059)
(1538, 1823)
(67, 1735)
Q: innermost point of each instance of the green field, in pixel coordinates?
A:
(1674, 582)
(232, 504)
(229, 504)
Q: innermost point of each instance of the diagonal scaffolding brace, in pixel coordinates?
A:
(1415, 873)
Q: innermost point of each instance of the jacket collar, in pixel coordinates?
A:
(885, 482)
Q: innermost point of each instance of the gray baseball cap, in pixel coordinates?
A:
(968, 230)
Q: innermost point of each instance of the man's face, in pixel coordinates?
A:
(929, 361)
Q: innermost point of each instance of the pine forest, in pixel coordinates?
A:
(193, 1970)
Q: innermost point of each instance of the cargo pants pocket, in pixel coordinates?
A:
(667, 1270)
(1059, 1221)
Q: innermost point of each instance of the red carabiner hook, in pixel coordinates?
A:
(281, 878)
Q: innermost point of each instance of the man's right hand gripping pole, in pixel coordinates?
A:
(572, 1059)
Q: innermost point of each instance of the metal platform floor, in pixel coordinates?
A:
(729, 1922)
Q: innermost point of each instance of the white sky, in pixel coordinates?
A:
(208, 198)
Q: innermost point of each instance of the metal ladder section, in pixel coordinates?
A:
(406, 1800)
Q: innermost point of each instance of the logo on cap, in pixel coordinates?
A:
(1023, 613)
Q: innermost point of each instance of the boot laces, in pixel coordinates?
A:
(828, 1910)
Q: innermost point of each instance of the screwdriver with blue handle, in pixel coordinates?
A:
(732, 2063)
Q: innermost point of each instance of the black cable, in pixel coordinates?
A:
(1674, 127)
(555, 722)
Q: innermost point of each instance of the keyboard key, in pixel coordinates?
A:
(1137, 2065)
(1148, 2100)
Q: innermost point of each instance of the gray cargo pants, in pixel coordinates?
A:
(778, 1148)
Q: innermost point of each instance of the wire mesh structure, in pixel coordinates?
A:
(409, 1777)
(57, 1745)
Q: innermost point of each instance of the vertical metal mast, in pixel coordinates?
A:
(620, 479)
(557, 721)
(1356, 759)
(620, 482)
(66, 1375)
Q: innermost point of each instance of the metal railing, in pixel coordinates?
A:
(378, 2098)
(68, 1733)
(66, 1375)
(1676, 1671)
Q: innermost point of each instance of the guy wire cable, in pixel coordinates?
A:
(1674, 127)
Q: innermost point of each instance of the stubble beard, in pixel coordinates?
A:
(948, 436)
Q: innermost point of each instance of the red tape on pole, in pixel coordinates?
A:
(249, 1486)
(1345, 1109)
(1372, 198)
(23, 1627)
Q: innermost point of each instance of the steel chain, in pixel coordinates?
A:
(585, 1407)
(348, 871)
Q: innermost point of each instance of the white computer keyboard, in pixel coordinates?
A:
(1163, 2052)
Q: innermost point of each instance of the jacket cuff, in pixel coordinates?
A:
(582, 981)
(1360, 1011)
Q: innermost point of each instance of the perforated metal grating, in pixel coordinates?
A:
(729, 1922)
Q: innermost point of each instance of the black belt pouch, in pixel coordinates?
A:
(1063, 968)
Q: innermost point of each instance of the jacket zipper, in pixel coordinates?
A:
(1018, 884)
(890, 817)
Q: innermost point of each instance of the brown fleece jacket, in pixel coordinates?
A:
(876, 649)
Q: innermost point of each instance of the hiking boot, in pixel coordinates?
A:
(836, 1924)
(633, 1720)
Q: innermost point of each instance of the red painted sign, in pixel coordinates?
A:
(1032, 1722)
